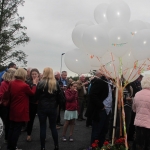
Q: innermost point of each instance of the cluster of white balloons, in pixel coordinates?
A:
(113, 42)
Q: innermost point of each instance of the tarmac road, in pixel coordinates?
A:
(81, 137)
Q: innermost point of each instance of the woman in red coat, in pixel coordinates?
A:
(19, 105)
(71, 113)
(4, 110)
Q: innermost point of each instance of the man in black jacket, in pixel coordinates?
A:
(96, 109)
(58, 78)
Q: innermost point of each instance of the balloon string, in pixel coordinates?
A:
(140, 68)
(107, 71)
(101, 67)
(125, 71)
(135, 66)
(113, 65)
(130, 74)
(98, 59)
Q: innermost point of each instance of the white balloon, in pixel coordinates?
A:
(106, 26)
(95, 40)
(118, 13)
(147, 25)
(136, 25)
(77, 61)
(119, 41)
(86, 22)
(77, 35)
(141, 44)
(94, 60)
(128, 60)
(100, 13)
(110, 65)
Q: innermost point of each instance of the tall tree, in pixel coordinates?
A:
(12, 33)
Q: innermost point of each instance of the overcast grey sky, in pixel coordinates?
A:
(50, 24)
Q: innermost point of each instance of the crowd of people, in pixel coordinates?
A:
(25, 93)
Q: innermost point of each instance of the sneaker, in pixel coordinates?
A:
(56, 148)
(28, 139)
(64, 139)
(70, 139)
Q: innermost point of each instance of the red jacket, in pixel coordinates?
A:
(3, 88)
(71, 100)
(19, 100)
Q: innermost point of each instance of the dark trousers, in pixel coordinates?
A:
(32, 114)
(51, 114)
(100, 128)
(111, 121)
(4, 114)
(88, 122)
(142, 138)
(127, 111)
(13, 135)
(131, 127)
(81, 108)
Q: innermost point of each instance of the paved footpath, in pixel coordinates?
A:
(81, 138)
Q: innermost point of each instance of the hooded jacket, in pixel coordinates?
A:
(71, 100)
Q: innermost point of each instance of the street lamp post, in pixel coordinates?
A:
(61, 62)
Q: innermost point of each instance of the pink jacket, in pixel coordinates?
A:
(141, 105)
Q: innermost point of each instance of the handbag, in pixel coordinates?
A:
(5, 101)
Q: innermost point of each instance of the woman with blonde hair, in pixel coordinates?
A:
(47, 94)
(141, 106)
(7, 77)
(19, 105)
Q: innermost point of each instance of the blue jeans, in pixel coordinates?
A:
(100, 128)
(51, 114)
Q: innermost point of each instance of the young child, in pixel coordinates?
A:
(71, 113)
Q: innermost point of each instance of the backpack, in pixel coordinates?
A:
(1, 74)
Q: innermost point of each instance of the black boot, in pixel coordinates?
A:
(56, 148)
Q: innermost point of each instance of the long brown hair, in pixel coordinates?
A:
(34, 70)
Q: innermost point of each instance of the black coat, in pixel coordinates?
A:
(98, 93)
(45, 99)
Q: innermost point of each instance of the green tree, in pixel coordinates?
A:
(12, 33)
